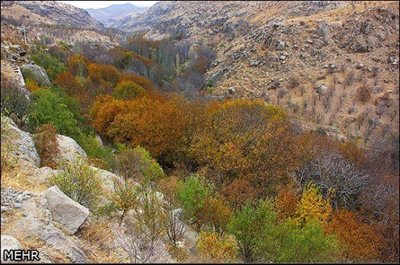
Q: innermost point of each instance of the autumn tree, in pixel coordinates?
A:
(46, 144)
(239, 192)
(359, 241)
(128, 90)
(286, 202)
(78, 65)
(313, 206)
(248, 139)
(215, 213)
(213, 247)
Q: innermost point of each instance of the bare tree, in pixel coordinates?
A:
(174, 227)
(330, 171)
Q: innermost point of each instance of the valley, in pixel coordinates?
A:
(201, 131)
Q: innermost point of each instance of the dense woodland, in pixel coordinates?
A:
(255, 185)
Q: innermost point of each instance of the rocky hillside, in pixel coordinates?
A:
(50, 12)
(114, 15)
(313, 58)
(50, 22)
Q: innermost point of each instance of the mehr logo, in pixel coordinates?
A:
(20, 255)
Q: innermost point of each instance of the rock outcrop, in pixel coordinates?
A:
(64, 210)
(69, 149)
(37, 73)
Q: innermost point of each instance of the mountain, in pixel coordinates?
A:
(313, 58)
(48, 12)
(112, 14)
(50, 22)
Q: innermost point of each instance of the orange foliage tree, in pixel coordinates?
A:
(360, 241)
(286, 202)
(248, 139)
(104, 74)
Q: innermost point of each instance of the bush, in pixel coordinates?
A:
(31, 85)
(363, 93)
(192, 196)
(215, 248)
(79, 182)
(46, 144)
(13, 99)
(48, 107)
(52, 65)
(103, 157)
(128, 90)
(125, 197)
(78, 65)
(138, 164)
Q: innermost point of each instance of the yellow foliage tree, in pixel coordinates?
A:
(215, 248)
(313, 206)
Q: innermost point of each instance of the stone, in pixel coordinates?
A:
(64, 210)
(69, 149)
(360, 66)
(254, 62)
(9, 242)
(280, 45)
(232, 90)
(21, 145)
(39, 74)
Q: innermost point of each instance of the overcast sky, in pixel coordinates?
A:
(100, 4)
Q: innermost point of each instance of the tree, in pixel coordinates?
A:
(246, 139)
(128, 90)
(313, 207)
(360, 241)
(286, 202)
(239, 192)
(192, 196)
(51, 64)
(331, 172)
(139, 235)
(306, 244)
(248, 225)
(216, 248)
(215, 213)
(78, 65)
(14, 102)
(48, 107)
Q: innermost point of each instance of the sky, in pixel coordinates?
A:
(100, 4)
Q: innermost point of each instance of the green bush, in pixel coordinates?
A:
(48, 107)
(51, 64)
(79, 182)
(138, 164)
(192, 195)
(94, 150)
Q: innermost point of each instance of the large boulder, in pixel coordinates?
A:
(18, 144)
(64, 210)
(69, 149)
(37, 73)
(9, 242)
(36, 222)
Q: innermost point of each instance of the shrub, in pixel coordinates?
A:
(46, 144)
(215, 248)
(102, 156)
(140, 80)
(79, 182)
(192, 196)
(125, 196)
(104, 74)
(48, 107)
(52, 65)
(249, 226)
(128, 90)
(31, 85)
(169, 187)
(215, 213)
(363, 93)
(13, 100)
(138, 164)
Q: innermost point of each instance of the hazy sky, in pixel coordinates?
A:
(100, 4)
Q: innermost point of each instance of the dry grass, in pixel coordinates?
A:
(97, 241)
(20, 179)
